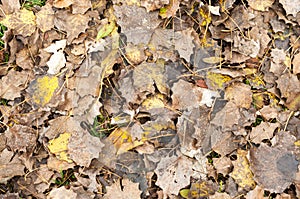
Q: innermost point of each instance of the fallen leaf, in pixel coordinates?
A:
(216, 80)
(21, 138)
(45, 18)
(184, 43)
(240, 94)
(290, 6)
(83, 147)
(274, 168)
(136, 23)
(81, 6)
(10, 166)
(296, 64)
(57, 61)
(23, 22)
(261, 5)
(43, 89)
(59, 146)
(73, 24)
(257, 193)
(241, 171)
(12, 84)
(10, 6)
(128, 190)
(169, 10)
(176, 170)
(263, 131)
(62, 3)
(122, 140)
(61, 193)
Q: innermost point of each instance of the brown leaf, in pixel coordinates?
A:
(240, 94)
(21, 138)
(274, 168)
(184, 43)
(290, 6)
(10, 166)
(263, 131)
(81, 6)
(73, 24)
(151, 5)
(62, 3)
(261, 5)
(12, 84)
(176, 171)
(128, 190)
(45, 18)
(136, 23)
(10, 6)
(23, 22)
(296, 64)
(61, 193)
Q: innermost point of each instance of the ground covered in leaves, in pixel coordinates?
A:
(150, 99)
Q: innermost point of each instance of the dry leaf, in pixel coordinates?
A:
(184, 43)
(43, 89)
(274, 168)
(12, 84)
(296, 64)
(240, 94)
(61, 193)
(176, 170)
(81, 6)
(73, 24)
(21, 138)
(128, 190)
(45, 18)
(59, 146)
(241, 172)
(23, 22)
(290, 6)
(136, 23)
(263, 131)
(261, 5)
(10, 166)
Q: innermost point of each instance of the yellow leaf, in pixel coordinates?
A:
(59, 146)
(43, 89)
(122, 140)
(213, 60)
(204, 13)
(23, 22)
(297, 143)
(241, 172)
(154, 102)
(184, 193)
(217, 80)
(106, 30)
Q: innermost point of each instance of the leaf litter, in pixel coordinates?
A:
(150, 99)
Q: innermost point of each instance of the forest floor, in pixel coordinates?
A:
(150, 99)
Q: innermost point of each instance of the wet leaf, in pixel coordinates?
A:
(23, 22)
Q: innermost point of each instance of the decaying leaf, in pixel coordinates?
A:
(73, 24)
(176, 170)
(216, 80)
(123, 141)
(62, 193)
(59, 146)
(10, 166)
(261, 5)
(12, 84)
(184, 43)
(43, 89)
(240, 94)
(169, 10)
(241, 172)
(23, 22)
(45, 18)
(290, 6)
(263, 131)
(128, 190)
(274, 168)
